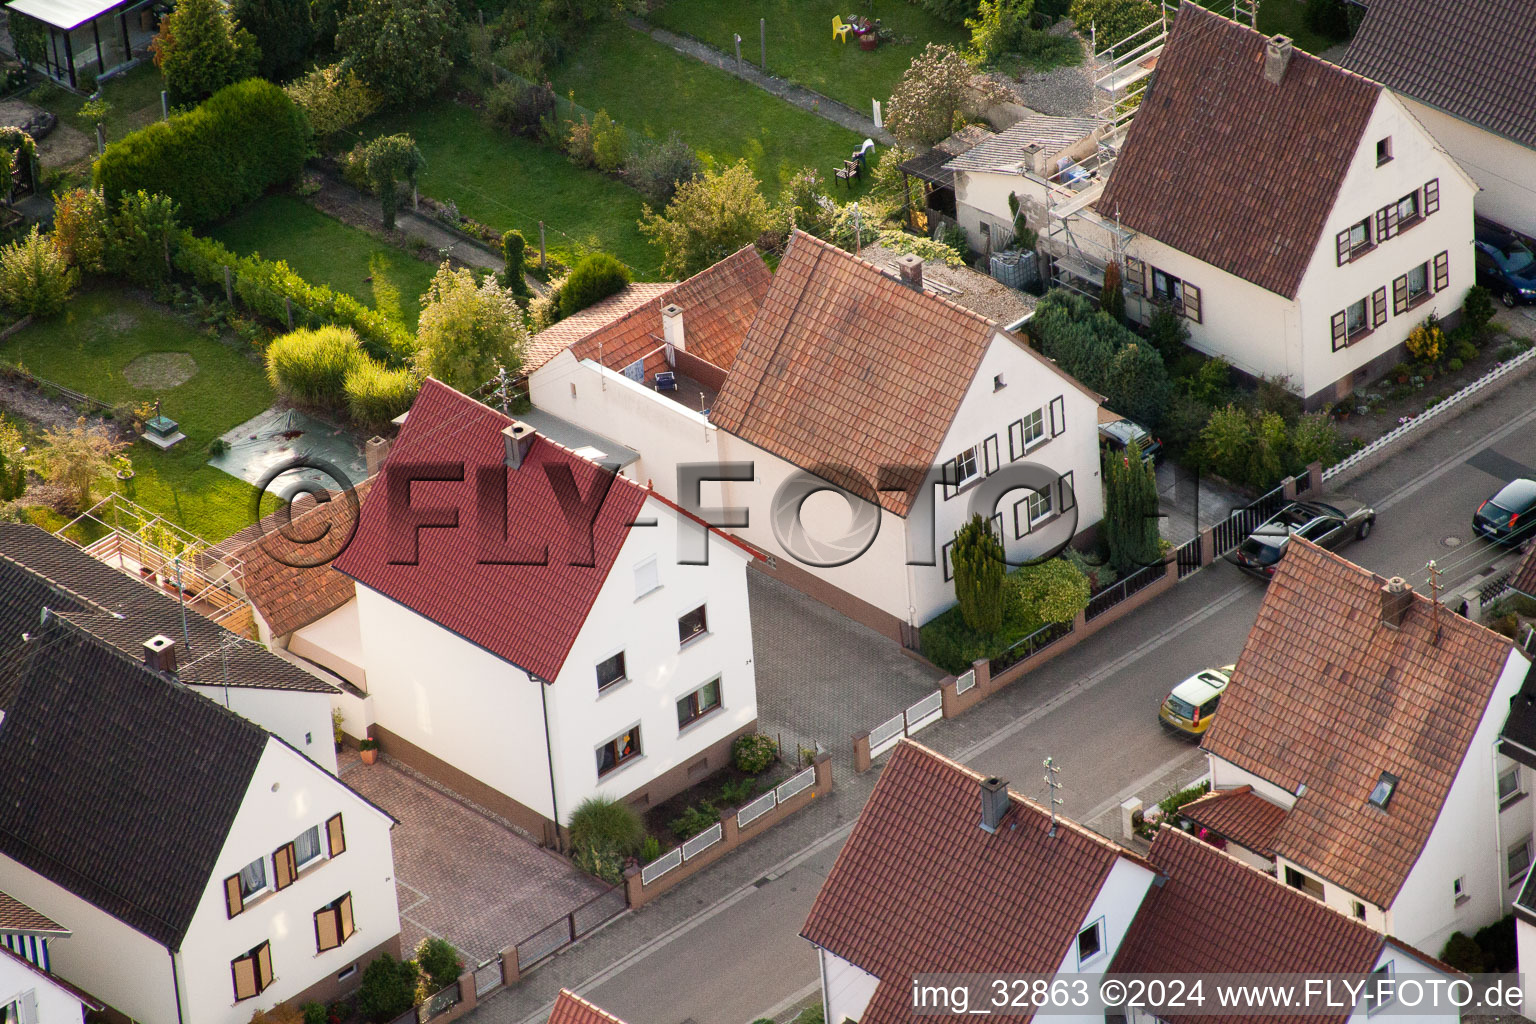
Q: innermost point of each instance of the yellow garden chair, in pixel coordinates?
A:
(839, 30)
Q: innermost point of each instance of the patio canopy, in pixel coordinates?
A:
(64, 14)
(930, 167)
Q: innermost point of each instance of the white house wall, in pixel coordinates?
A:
(55, 1005)
(335, 643)
(299, 717)
(102, 955)
(1466, 841)
(1226, 775)
(1525, 949)
(659, 672)
(981, 197)
(1328, 288)
(287, 796)
(846, 989)
(1119, 899)
(1400, 964)
(1505, 170)
(456, 701)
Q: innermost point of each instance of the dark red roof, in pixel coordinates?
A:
(570, 1008)
(1239, 815)
(527, 614)
(1524, 579)
(1230, 168)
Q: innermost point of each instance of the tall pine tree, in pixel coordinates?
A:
(1130, 509)
(284, 30)
(977, 562)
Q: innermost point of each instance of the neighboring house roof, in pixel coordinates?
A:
(53, 979)
(1473, 60)
(920, 887)
(570, 1008)
(1230, 168)
(561, 335)
(963, 286)
(1214, 914)
(718, 305)
(40, 570)
(1012, 150)
(933, 166)
(117, 784)
(847, 370)
(16, 918)
(1240, 816)
(528, 615)
(1524, 579)
(1327, 696)
(286, 568)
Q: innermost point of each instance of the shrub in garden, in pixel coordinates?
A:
(754, 753)
(1477, 311)
(977, 560)
(76, 458)
(1315, 439)
(80, 228)
(1462, 953)
(514, 248)
(650, 849)
(1103, 354)
(1052, 591)
(656, 169)
(376, 394)
(311, 366)
(214, 158)
(708, 219)
(35, 278)
(1111, 20)
(284, 31)
(314, 1013)
(521, 108)
(403, 49)
(1130, 509)
(610, 142)
(579, 143)
(695, 819)
(594, 278)
(1497, 943)
(388, 989)
(333, 98)
(927, 248)
(1168, 330)
(1112, 301)
(201, 49)
(1328, 18)
(1426, 341)
(953, 11)
(926, 100)
(601, 820)
(438, 963)
(467, 331)
(390, 160)
(139, 238)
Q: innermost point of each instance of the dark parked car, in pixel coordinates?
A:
(1508, 517)
(1328, 524)
(1505, 266)
(1119, 434)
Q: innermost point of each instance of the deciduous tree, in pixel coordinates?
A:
(468, 331)
(401, 48)
(924, 105)
(284, 32)
(77, 458)
(708, 219)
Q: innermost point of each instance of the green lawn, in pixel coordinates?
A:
(511, 182)
(652, 89)
(800, 43)
(134, 96)
(86, 348)
(325, 251)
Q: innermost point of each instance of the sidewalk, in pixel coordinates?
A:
(800, 96)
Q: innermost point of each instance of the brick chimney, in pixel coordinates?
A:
(910, 267)
(519, 438)
(1277, 55)
(160, 653)
(994, 803)
(375, 452)
(1396, 597)
(672, 326)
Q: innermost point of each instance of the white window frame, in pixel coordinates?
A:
(963, 479)
(1387, 971)
(1505, 799)
(1516, 879)
(1414, 296)
(1411, 200)
(1034, 428)
(1042, 500)
(1459, 890)
(1364, 227)
(1097, 928)
(1351, 328)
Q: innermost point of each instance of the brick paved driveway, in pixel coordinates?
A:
(821, 676)
(461, 874)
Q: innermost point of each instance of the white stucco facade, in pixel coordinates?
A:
(1504, 170)
(845, 989)
(301, 718)
(34, 996)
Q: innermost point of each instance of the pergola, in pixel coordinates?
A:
(87, 36)
(938, 181)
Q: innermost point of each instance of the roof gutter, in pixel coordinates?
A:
(549, 755)
(176, 986)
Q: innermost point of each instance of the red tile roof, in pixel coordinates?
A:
(570, 1008)
(920, 887)
(553, 340)
(1326, 695)
(1524, 579)
(1215, 914)
(1230, 168)
(526, 614)
(847, 367)
(286, 571)
(16, 916)
(1240, 816)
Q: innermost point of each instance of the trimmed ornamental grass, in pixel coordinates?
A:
(510, 182)
(800, 44)
(86, 347)
(323, 250)
(652, 89)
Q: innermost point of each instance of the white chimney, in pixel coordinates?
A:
(1277, 54)
(910, 267)
(672, 326)
(519, 438)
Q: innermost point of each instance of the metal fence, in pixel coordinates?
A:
(438, 1003)
(965, 681)
(1190, 555)
(487, 975)
(791, 787)
(1231, 532)
(703, 841)
(1036, 642)
(749, 813)
(925, 712)
(661, 865)
(1494, 587)
(884, 736)
(558, 934)
(1107, 598)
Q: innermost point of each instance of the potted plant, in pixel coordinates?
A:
(122, 465)
(336, 720)
(369, 749)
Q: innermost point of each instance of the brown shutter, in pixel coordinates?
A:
(344, 913)
(1391, 220)
(1400, 295)
(244, 971)
(1431, 196)
(1065, 496)
(1381, 225)
(1015, 440)
(264, 964)
(283, 867)
(1340, 333)
(1021, 527)
(1058, 415)
(990, 461)
(1442, 271)
(335, 836)
(1192, 302)
(233, 901)
(1378, 307)
(1341, 242)
(326, 929)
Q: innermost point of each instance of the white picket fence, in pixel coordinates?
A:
(1393, 436)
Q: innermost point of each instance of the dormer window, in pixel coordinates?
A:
(1381, 793)
(1383, 150)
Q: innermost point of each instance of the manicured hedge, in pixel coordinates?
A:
(263, 285)
(220, 155)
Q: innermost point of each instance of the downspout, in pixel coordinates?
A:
(549, 758)
(175, 985)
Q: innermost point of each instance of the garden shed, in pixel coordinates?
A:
(74, 42)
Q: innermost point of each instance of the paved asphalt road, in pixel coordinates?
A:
(1094, 710)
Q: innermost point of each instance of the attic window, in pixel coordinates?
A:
(1381, 795)
(1383, 150)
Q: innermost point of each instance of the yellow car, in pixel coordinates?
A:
(1192, 704)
